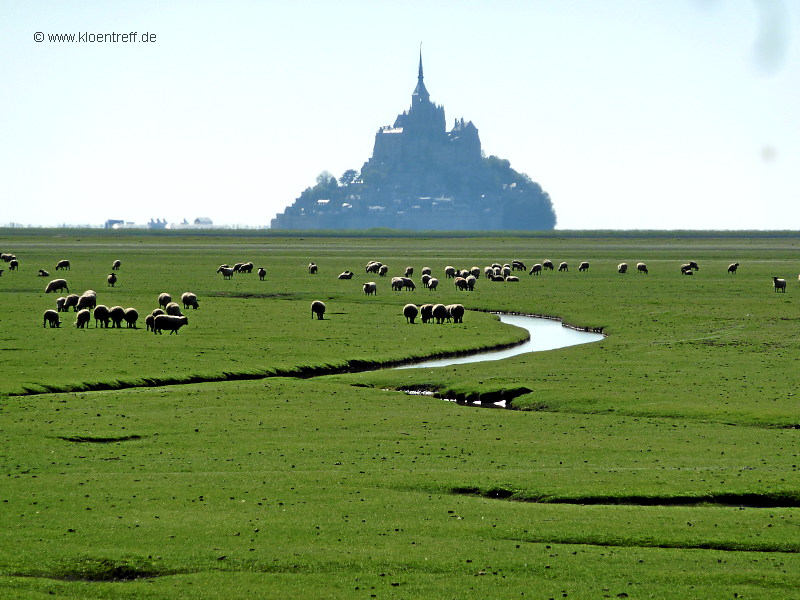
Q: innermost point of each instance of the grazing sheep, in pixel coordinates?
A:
(227, 272)
(371, 288)
(779, 284)
(111, 279)
(7, 257)
(43, 273)
(475, 272)
(547, 264)
(262, 272)
(71, 301)
(116, 265)
(189, 299)
(461, 283)
(63, 264)
(426, 312)
(410, 312)
(512, 279)
(60, 304)
(488, 271)
(373, 266)
(440, 313)
(163, 299)
(518, 265)
(686, 269)
(584, 266)
(433, 283)
(82, 318)
(173, 309)
(131, 316)
(471, 280)
(427, 271)
(13, 264)
(312, 268)
(101, 315)
(56, 286)
(86, 300)
(237, 266)
(51, 316)
(732, 268)
(622, 268)
(383, 270)
(246, 267)
(149, 320)
(169, 323)
(563, 267)
(449, 271)
(425, 279)
(408, 284)
(535, 269)
(346, 275)
(641, 268)
(117, 315)
(397, 284)
(317, 308)
(409, 272)
(456, 312)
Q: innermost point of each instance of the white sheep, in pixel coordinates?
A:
(779, 284)
(60, 304)
(471, 280)
(426, 312)
(440, 313)
(82, 318)
(189, 299)
(433, 283)
(397, 284)
(86, 300)
(460, 283)
(456, 312)
(101, 316)
(410, 312)
(71, 301)
(117, 315)
(173, 309)
(56, 286)
(227, 272)
(51, 317)
(318, 309)
(371, 288)
(163, 299)
(169, 323)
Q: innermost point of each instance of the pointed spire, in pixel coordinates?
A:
(420, 93)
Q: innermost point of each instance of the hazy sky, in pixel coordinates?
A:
(629, 113)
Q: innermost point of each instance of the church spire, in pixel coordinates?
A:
(420, 93)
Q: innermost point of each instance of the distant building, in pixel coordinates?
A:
(423, 177)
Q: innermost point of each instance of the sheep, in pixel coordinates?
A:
(383, 270)
(547, 264)
(433, 283)
(426, 312)
(732, 268)
(56, 285)
(471, 280)
(227, 272)
(456, 312)
(149, 320)
(170, 323)
(410, 312)
(131, 316)
(318, 309)
(43, 273)
(51, 317)
(246, 267)
(13, 264)
(60, 304)
(397, 284)
(237, 266)
(346, 275)
(440, 313)
(641, 268)
(371, 288)
(164, 298)
(262, 272)
(111, 279)
(505, 271)
(373, 266)
(427, 271)
(694, 266)
(63, 264)
(535, 269)
(189, 299)
(116, 265)
(86, 300)
(622, 268)
(461, 283)
(475, 272)
(82, 318)
(117, 315)
(101, 315)
(7, 257)
(425, 279)
(409, 272)
(584, 266)
(312, 268)
(512, 279)
(498, 278)
(779, 284)
(563, 267)
(71, 301)
(518, 265)
(449, 271)
(686, 269)
(408, 284)
(173, 309)
(488, 271)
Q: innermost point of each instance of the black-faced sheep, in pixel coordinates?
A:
(117, 315)
(189, 299)
(163, 299)
(426, 312)
(318, 309)
(641, 268)
(535, 269)
(131, 316)
(410, 312)
(547, 264)
(51, 317)
(111, 279)
(346, 275)
(433, 283)
(43, 273)
(584, 266)
(456, 312)
(101, 316)
(440, 313)
(227, 272)
(779, 284)
(116, 265)
(13, 264)
(82, 318)
(409, 272)
(56, 286)
(63, 264)
(262, 272)
(371, 288)
(563, 267)
(312, 268)
(732, 268)
(173, 309)
(169, 323)
(622, 268)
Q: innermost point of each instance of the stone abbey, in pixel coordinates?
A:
(423, 177)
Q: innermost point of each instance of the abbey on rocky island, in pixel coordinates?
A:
(423, 177)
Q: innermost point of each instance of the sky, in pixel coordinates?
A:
(631, 114)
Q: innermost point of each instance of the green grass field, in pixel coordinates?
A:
(252, 456)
